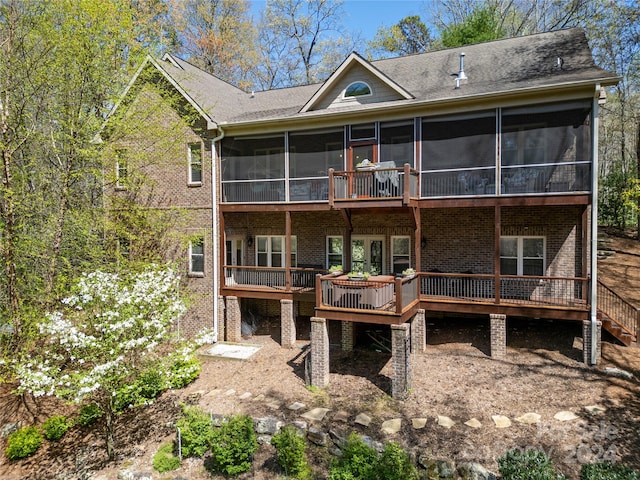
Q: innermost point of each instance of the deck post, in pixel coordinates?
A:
(587, 336)
(287, 324)
(319, 352)
(401, 361)
(419, 332)
(234, 320)
(347, 336)
(221, 324)
(498, 335)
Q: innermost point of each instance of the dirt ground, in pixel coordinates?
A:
(542, 373)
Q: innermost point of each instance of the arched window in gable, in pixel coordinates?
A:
(357, 89)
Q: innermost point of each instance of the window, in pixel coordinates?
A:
(196, 256)
(234, 248)
(270, 251)
(335, 248)
(522, 256)
(121, 170)
(357, 89)
(400, 254)
(195, 163)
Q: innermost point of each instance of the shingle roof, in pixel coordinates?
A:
(506, 65)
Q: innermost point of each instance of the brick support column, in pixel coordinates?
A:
(234, 320)
(418, 333)
(401, 361)
(221, 319)
(319, 352)
(347, 336)
(498, 325)
(586, 341)
(287, 324)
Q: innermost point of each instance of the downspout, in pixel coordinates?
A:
(594, 227)
(215, 234)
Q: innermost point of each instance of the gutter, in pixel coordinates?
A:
(594, 228)
(215, 234)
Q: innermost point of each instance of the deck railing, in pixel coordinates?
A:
(271, 278)
(381, 293)
(521, 290)
(374, 183)
(618, 309)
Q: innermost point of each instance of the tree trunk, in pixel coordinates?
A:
(108, 431)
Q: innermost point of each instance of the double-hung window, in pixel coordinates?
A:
(121, 170)
(522, 256)
(195, 163)
(270, 251)
(335, 249)
(196, 256)
(400, 254)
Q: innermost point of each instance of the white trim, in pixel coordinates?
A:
(354, 97)
(190, 181)
(192, 272)
(351, 60)
(367, 250)
(520, 252)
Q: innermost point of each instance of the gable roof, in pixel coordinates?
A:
(530, 63)
(350, 62)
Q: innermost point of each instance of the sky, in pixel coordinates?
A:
(365, 16)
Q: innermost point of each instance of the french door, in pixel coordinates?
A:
(367, 254)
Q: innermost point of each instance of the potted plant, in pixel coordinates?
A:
(358, 276)
(409, 272)
(335, 270)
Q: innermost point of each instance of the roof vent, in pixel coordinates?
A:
(461, 74)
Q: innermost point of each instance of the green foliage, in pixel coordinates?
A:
(527, 465)
(358, 461)
(164, 460)
(410, 35)
(608, 471)
(233, 445)
(395, 464)
(184, 368)
(616, 197)
(23, 443)
(291, 452)
(482, 25)
(149, 385)
(55, 427)
(195, 432)
(89, 414)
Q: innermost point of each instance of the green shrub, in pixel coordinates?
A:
(195, 432)
(164, 460)
(233, 445)
(291, 453)
(55, 427)
(395, 464)
(148, 386)
(184, 367)
(358, 461)
(526, 465)
(89, 414)
(23, 443)
(608, 471)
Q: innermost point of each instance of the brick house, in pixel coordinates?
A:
(454, 181)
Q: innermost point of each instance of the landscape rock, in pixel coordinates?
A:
(438, 468)
(475, 471)
(445, 422)
(316, 414)
(264, 439)
(418, 423)
(377, 446)
(339, 440)
(9, 428)
(317, 436)
(473, 423)
(363, 419)
(301, 426)
(267, 425)
(565, 416)
(529, 418)
(501, 421)
(616, 372)
(392, 426)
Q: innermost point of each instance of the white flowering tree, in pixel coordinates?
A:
(104, 338)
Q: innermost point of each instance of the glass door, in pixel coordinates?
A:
(367, 254)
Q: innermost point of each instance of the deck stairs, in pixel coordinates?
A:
(619, 317)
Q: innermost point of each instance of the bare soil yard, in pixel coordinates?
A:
(542, 373)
